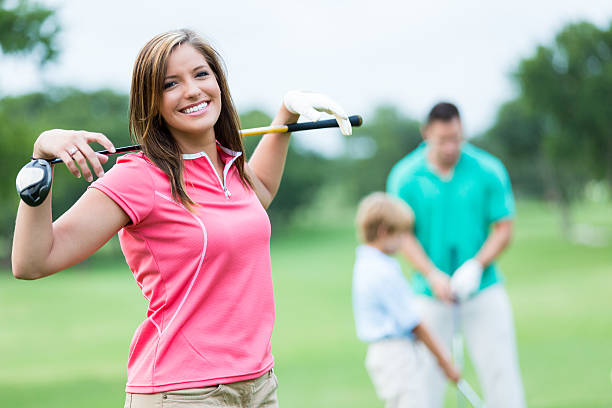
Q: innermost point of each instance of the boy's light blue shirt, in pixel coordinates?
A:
(382, 298)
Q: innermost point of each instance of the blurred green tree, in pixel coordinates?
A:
(569, 85)
(28, 28)
(304, 174)
(24, 117)
(554, 137)
(519, 139)
(516, 138)
(385, 137)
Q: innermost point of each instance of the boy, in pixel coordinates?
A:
(384, 316)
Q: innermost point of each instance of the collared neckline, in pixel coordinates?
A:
(192, 156)
(434, 170)
(228, 157)
(370, 250)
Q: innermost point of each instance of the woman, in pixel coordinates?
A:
(190, 213)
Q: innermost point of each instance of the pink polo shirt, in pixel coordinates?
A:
(206, 274)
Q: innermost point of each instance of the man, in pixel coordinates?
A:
(463, 205)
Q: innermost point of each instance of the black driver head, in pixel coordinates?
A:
(34, 182)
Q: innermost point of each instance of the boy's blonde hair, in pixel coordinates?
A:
(381, 209)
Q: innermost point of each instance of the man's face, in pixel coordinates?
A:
(444, 139)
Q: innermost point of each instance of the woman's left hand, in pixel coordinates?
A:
(311, 105)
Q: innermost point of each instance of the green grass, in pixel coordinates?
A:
(64, 339)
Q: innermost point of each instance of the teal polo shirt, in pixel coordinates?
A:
(453, 216)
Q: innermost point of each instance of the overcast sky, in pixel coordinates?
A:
(362, 53)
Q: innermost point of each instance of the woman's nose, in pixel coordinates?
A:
(192, 90)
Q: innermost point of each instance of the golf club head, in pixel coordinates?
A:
(34, 182)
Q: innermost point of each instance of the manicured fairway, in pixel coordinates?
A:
(64, 339)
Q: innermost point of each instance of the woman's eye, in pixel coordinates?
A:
(169, 84)
(201, 74)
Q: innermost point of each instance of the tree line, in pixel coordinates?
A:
(553, 136)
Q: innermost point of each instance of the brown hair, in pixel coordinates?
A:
(444, 111)
(148, 127)
(381, 209)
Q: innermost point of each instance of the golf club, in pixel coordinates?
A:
(457, 348)
(34, 179)
(468, 392)
(464, 389)
(457, 342)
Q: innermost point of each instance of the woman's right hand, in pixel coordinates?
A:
(72, 146)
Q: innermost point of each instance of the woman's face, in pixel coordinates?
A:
(191, 101)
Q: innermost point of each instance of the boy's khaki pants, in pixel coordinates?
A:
(395, 365)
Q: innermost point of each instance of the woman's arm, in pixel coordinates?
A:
(268, 160)
(265, 168)
(42, 247)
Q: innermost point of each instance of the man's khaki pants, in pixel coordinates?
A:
(488, 329)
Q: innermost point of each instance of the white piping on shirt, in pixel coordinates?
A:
(141, 286)
(159, 332)
(136, 342)
(205, 236)
(228, 165)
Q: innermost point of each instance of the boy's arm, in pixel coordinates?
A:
(422, 333)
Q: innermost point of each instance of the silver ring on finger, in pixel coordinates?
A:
(73, 150)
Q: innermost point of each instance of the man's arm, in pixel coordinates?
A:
(496, 242)
(466, 279)
(439, 281)
(500, 212)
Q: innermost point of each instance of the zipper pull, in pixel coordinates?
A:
(227, 192)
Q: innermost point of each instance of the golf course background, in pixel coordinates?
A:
(64, 339)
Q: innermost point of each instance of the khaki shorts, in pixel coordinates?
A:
(394, 365)
(259, 392)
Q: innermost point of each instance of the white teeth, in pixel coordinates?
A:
(196, 108)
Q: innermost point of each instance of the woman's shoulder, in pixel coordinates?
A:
(136, 159)
(129, 168)
(134, 164)
(130, 184)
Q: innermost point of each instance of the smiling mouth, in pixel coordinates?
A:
(195, 108)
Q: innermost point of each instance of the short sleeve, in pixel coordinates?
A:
(393, 183)
(402, 177)
(500, 197)
(129, 184)
(397, 184)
